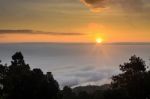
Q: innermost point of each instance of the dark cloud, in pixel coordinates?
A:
(27, 31)
(95, 5)
(126, 5)
(15, 31)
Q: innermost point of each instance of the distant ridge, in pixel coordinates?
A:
(91, 88)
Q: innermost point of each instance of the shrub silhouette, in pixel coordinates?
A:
(20, 82)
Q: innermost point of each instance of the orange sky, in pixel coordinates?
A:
(56, 21)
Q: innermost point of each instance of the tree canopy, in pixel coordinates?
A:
(20, 82)
(133, 78)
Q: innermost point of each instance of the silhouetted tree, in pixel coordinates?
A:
(20, 82)
(18, 59)
(132, 78)
(3, 71)
(147, 84)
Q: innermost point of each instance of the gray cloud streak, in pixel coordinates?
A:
(27, 31)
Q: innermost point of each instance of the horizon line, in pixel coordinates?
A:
(107, 43)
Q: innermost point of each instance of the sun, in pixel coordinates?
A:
(99, 40)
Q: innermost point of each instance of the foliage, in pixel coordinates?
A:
(133, 78)
(20, 82)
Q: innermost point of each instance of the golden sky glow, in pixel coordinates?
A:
(86, 20)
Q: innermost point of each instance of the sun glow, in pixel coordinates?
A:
(99, 40)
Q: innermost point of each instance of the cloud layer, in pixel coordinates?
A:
(84, 76)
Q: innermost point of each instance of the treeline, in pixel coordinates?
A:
(18, 81)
